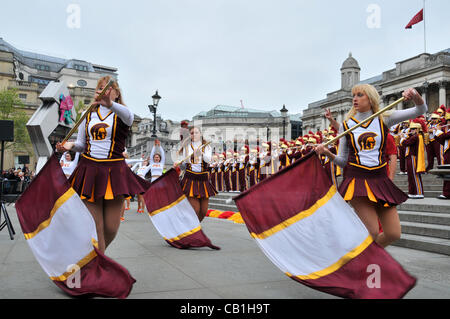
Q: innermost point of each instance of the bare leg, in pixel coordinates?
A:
(366, 211)
(391, 226)
(111, 218)
(96, 210)
(140, 203)
(203, 208)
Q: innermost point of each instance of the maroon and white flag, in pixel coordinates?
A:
(62, 235)
(416, 19)
(304, 226)
(172, 214)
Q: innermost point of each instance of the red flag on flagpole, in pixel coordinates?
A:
(303, 225)
(62, 235)
(416, 19)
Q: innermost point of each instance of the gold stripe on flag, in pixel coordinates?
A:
(59, 202)
(303, 214)
(341, 262)
(153, 213)
(196, 229)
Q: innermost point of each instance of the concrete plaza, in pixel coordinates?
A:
(239, 270)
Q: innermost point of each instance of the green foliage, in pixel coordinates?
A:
(10, 104)
(79, 110)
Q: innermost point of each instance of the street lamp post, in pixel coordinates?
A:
(152, 108)
(284, 115)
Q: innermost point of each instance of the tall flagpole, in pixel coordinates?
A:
(424, 30)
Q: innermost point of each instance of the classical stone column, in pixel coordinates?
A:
(384, 100)
(324, 123)
(424, 91)
(442, 93)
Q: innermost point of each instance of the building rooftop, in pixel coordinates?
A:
(234, 111)
(54, 64)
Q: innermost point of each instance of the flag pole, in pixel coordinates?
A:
(424, 30)
(89, 110)
(365, 121)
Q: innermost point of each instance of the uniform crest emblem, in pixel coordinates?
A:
(366, 141)
(98, 131)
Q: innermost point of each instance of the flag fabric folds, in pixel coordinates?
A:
(303, 225)
(172, 214)
(62, 235)
(416, 19)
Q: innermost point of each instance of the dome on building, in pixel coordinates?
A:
(350, 62)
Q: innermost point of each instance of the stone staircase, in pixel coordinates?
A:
(432, 185)
(425, 222)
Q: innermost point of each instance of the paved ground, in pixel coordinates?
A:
(238, 271)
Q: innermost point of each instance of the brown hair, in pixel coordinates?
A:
(187, 141)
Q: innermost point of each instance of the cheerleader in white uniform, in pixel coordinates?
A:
(366, 184)
(68, 162)
(102, 178)
(195, 182)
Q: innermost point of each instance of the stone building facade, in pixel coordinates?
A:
(428, 73)
(231, 127)
(29, 73)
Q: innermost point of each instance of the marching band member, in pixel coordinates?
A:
(403, 132)
(434, 148)
(213, 172)
(102, 178)
(227, 171)
(233, 174)
(330, 167)
(283, 158)
(266, 163)
(311, 142)
(253, 166)
(195, 182)
(297, 153)
(220, 168)
(242, 169)
(415, 158)
(443, 137)
(366, 185)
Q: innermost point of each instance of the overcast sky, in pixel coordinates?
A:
(202, 53)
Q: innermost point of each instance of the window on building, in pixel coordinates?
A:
(22, 96)
(42, 67)
(80, 67)
(39, 80)
(81, 83)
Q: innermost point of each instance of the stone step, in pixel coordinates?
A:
(426, 218)
(424, 243)
(223, 207)
(425, 185)
(431, 230)
(431, 205)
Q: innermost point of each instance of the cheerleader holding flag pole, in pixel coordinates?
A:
(102, 177)
(77, 218)
(177, 208)
(195, 182)
(362, 152)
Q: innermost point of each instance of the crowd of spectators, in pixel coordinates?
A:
(15, 180)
